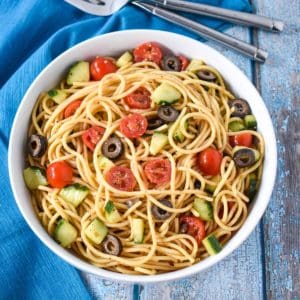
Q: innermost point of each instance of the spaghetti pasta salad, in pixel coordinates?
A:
(142, 164)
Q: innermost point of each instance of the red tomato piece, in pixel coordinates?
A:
(149, 52)
(140, 99)
(71, 108)
(101, 66)
(244, 139)
(158, 170)
(209, 161)
(134, 126)
(59, 174)
(184, 62)
(195, 227)
(92, 136)
(121, 178)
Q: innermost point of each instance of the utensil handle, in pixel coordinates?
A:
(240, 46)
(232, 16)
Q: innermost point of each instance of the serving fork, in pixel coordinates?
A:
(161, 8)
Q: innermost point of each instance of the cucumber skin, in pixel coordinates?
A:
(57, 95)
(62, 223)
(250, 122)
(212, 245)
(68, 193)
(33, 177)
(165, 94)
(204, 209)
(235, 126)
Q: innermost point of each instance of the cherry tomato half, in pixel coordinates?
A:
(59, 174)
(121, 178)
(140, 99)
(195, 227)
(184, 62)
(92, 136)
(209, 161)
(244, 139)
(149, 52)
(71, 108)
(101, 66)
(158, 170)
(134, 126)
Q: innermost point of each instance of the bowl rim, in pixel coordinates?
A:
(239, 237)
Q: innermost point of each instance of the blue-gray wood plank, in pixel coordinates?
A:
(267, 265)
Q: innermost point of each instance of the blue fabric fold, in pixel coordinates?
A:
(32, 34)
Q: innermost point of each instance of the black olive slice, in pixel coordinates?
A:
(161, 214)
(154, 123)
(244, 157)
(112, 148)
(37, 145)
(112, 245)
(206, 75)
(241, 108)
(197, 184)
(167, 113)
(171, 63)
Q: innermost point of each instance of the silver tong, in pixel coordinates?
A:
(161, 8)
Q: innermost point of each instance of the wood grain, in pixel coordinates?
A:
(280, 88)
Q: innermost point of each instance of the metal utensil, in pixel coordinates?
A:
(240, 46)
(231, 16)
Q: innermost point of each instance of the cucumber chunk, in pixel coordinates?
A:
(34, 177)
(104, 163)
(111, 213)
(195, 65)
(212, 245)
(252, 189)
(204, 209)
(58, 96)
(212, 187)
(250, 122)
(124, 59)
(158, 142)
(236, 125)
(74, 193)
(96, 231)
(178, 135)
(165, 94)
(65, 233)
(79, 72)
(138, 230)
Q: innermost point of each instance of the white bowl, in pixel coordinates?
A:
(113, 44)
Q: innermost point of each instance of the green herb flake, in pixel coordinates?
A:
(109, 207)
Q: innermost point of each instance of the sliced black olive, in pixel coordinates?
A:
(206, 75)
(167, 113)
(241, 108)
(161, 214)
(183, 228)
(244, 157)
(197, 184)
(112, 245)
(37, 145)
(112, 148)
(154, 123)
(171, 63)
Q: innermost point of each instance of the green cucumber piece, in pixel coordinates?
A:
(74, 193)
(96, 231)
(158, 142)
(33, 177)
(195, 65)
(178, 135)
(211, 244)
(252, 189)
(212, 187)
(104, 163)
(65, 233)
(204, 209)
(111, 213)
(58, 96)
(165, 94)
(124, 59)
(250, 122)
(255, 152)
(138, 230)
(236, 125)
(79, 72)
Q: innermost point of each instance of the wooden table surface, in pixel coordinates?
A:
(267, 264)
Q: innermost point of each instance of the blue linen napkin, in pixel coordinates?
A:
(32, 34)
